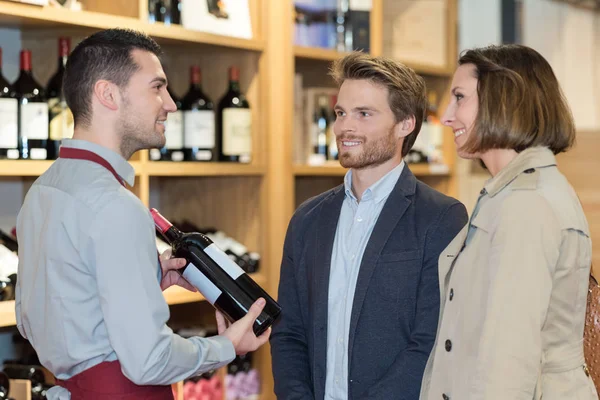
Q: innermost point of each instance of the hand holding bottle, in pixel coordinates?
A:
(241, 333)
(170, 276)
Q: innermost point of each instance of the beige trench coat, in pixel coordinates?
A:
(513, 298)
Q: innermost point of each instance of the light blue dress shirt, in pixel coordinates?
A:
(355, 225)
(88, 290)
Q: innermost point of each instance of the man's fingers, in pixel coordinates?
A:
(256, 309)
(166, 254)
(221, 324)
(264, 337)
(173, 263)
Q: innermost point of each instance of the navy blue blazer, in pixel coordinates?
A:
(396, 304)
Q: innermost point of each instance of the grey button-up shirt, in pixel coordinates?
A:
(88, 288)
(355, 225)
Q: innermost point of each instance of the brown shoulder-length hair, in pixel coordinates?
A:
(406, 89)
(521, 104)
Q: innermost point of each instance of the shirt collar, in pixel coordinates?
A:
(120, 165)
(534, 157)
(378, 191)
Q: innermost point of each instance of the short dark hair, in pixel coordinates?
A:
(521, 104)
(103, 55)
(406, 89)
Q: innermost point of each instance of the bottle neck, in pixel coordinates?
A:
(234, 86)
(172, 234)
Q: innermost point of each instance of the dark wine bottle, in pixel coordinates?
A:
(234, 123)
(33, 113)
(222, 282)
(4, 386)
(9, 111)
(59, 115)
(173, 149)
(198, 121)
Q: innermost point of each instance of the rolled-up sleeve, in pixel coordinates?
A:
(121, 246)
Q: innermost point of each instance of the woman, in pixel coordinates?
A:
(514, 281)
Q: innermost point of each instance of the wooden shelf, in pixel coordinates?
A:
(316, 53)
(431, 70)
(36, 17)
(179, 295)
(334, 169)
(19, 168)
(167, 168)
(7, 313)
(173, 295)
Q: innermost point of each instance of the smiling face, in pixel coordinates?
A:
(365, 127)
(463, 107)
(146, 104)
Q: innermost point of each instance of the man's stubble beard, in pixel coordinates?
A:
(374, 153)
(133, 136)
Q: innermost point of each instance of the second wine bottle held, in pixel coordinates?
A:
(222, 282)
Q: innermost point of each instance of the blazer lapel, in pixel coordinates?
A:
(325, 235)
(393, 210)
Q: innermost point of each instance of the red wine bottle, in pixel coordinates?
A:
(222, 282)
(234, 123)
(9, 110)
(198, 121)
(33, 112)
(4, 386)
(59, 115)
(173, 149)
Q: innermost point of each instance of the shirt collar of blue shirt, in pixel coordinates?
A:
(378, 191)
(121, 166)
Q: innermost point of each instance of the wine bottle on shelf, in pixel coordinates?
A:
(234, 123)
(222, 282)
(60, 116)
(434, 130)
(9, 241)
(33, 373)
(4, 386)
(9, 110)
(156, 11)
(33, 113)
(173, 149)
(198, 121)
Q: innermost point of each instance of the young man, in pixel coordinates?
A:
(89, 293)
(359, 277)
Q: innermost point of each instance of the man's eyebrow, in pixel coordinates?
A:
(159, 79)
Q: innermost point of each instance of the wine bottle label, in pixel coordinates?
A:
(9, 262)
(38, 153)
(237, 131)
(193, 275)
(174, 130)
(154, 154)
(62, 124)
(34, 121)
(9, 136)
(228, 265)
(199, 129)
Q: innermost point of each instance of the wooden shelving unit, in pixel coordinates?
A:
(315, 53)
(254, 202)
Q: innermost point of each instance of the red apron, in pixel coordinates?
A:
(106, 381)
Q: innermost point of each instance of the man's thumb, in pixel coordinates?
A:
(256, 309)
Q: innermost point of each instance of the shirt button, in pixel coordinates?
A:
(445, 396)
(448, 345)
(451, 294)
(359, 219)
(340, 340)
(352, 256)
(482, 191)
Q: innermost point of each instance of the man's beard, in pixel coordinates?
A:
(374, 151)
(133, 136)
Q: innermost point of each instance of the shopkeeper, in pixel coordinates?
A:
(89, 294)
